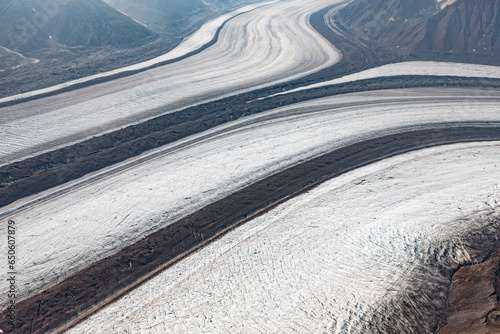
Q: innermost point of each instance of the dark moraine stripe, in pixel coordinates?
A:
(47, 170)
(79, 295)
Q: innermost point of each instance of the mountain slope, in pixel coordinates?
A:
(160, 15)
(461, 26)
(464, 27)
(34, 24)
(174, 17)
(17, 30)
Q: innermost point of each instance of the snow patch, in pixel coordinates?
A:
(444, 3)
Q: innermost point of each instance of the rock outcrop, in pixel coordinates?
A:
(473, 302)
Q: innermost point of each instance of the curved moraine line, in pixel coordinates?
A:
(408, 68)
(184, 178)
(266, 46)
(350, 256)
(102, 282)
(145, 197)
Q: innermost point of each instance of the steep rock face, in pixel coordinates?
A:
(460, 26)
(473, 305)
(174, 17)
(163, 16)
(386, 21)
(35, 24)
(465, 26)
(17, 29)
(92, 23)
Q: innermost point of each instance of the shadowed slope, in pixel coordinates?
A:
(32, 25)
(460, 27)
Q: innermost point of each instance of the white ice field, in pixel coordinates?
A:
(321, 261)
(93, 217)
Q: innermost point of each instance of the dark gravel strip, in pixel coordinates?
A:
(47, 170)
(79, 295)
